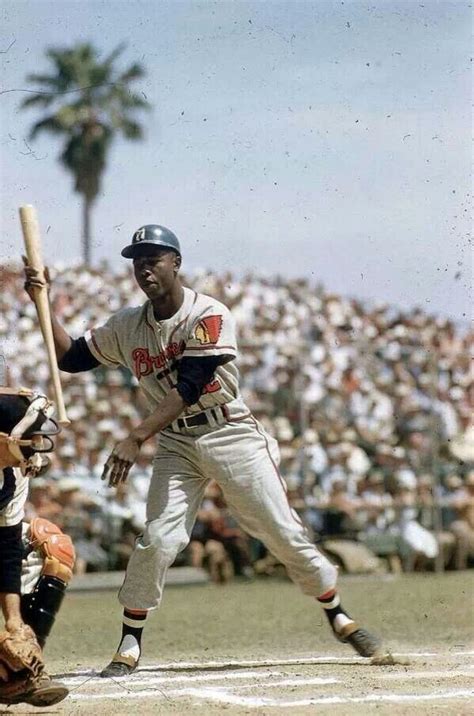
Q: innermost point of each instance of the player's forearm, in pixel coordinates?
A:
(168, 410)
(11, 555)
(11, 610)
(62, 339)
(11, 552)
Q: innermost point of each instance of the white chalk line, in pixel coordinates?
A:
(153, 679)
(280, 683)
(224, 695)
(269, 678)
(369, 698)
(221, 695)
(303, 661)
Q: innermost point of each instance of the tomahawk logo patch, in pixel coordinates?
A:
(208, 329)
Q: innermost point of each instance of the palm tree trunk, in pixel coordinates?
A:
(86, 231)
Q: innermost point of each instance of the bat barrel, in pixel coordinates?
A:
(32, 237)
(32, 240)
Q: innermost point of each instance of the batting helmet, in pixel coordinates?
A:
(149, 236)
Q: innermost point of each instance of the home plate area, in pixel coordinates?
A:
(425, 682)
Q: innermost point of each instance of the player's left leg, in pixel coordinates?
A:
(256, 494)
(176, 491)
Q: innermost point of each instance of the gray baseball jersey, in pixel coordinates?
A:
(150, 349)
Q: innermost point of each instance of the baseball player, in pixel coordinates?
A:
(181, 347)
(36, 559)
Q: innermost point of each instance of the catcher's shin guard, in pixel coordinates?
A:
(55, 553)
(39, 608)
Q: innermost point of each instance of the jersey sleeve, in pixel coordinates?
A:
(78, 357)
(212, 334)
(103, 343)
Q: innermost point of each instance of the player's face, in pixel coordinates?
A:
(156, 274)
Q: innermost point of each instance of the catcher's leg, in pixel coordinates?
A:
(219, 564)
(47, 570)
(196, 552)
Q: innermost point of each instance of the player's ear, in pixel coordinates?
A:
(177, 263)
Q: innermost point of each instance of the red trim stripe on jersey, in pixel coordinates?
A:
(94, 342)
(211, 348)
(147, 308)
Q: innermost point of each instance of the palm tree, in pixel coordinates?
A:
(89, 102)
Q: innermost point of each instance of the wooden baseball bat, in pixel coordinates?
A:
(32, 239)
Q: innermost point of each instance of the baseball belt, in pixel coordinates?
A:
(204, 418)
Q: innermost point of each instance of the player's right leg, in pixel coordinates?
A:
(256, 494)
(175, 494)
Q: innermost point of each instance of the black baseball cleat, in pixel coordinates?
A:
(361, 640)
(119, 666)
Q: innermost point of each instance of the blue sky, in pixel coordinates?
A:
(327, 139)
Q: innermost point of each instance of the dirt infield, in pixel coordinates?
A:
(263, 648)
(431, 682)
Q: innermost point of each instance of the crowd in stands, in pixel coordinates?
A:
(371, 406)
